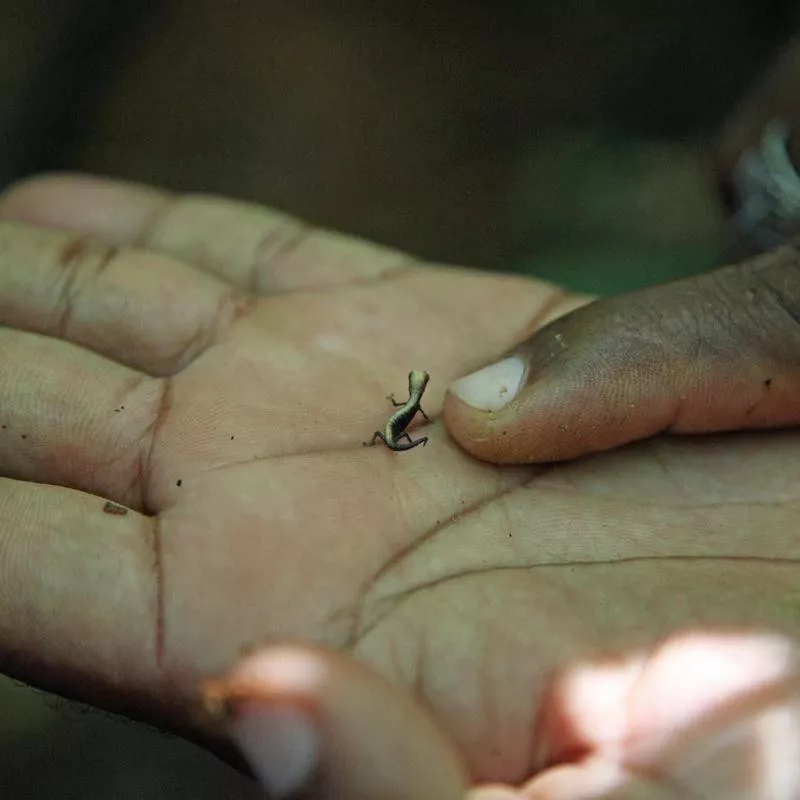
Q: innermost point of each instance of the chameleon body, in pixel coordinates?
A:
(395, 429)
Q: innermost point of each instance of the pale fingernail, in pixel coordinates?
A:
(492, 387)
(280, 745)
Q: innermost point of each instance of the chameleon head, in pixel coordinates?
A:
(417, 381)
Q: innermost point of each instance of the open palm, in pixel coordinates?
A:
(219, 378)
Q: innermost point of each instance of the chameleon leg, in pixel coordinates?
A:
(412, 443)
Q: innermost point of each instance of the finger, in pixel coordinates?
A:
(72, 418)
(716, 353)
(494, 792)
(710, 715)
(773, 97)
(252, 247)
(595, 779)
(150, 312)
(707, 707)
(70, 571)
(314, 724)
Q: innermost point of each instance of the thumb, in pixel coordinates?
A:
(713, 353)
(316, 725)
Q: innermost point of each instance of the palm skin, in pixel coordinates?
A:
(230, 421)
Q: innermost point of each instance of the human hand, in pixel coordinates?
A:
(218, 380)
(437, 571)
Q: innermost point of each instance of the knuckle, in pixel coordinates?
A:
(81, 260)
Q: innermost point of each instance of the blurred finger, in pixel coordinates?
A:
(720, 716)
(711, 715)
(595, 779)
(494, 792)
(254, 248)
(774, 96)
(314, 724)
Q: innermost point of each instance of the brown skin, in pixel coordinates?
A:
(716, 353)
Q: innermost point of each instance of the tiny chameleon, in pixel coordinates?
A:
(395, 428)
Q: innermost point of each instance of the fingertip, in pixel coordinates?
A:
(29, 198)
(494, 387)
(543, 424)
(476, 431)
(114, 210)
(19, 188)
(480, 411)
(306, 723)
(494, 792)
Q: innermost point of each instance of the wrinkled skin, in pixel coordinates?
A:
(215, 368)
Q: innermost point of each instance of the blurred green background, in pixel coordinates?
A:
(566, 140)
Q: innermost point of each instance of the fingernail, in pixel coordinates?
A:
(281, 746)
(492, 387)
